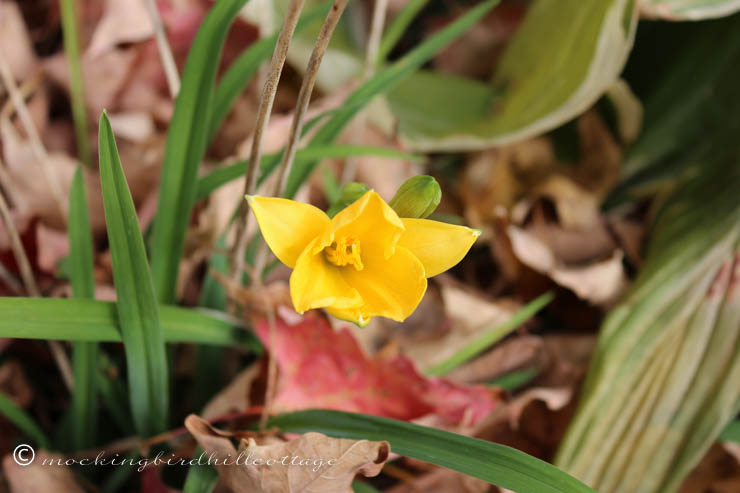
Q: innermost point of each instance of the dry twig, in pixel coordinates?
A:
(263, 118)
(165, 51)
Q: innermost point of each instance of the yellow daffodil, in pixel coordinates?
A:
(365, 261)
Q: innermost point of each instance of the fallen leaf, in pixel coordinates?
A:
(554, 398)
(135, 126)
(323, 368)
(108, 75)
(319, 463)
(13, 33)
(601, 283)
(507, 356)
(52, 246)
(124, 21)
(469, 316)
(40, 478)
(28, 188)
(718, 472)
(234, 397)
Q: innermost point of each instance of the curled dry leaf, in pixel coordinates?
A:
(554, 398)
(310, 463)
(40, 478)
(326, 369)
(601, 283)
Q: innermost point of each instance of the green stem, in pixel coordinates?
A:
(76, 84)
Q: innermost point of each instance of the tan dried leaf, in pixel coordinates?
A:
(470, 315)
(332, 462)
(600, 283)
(15, 41)
(124, 21)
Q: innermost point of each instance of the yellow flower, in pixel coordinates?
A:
(364, 262)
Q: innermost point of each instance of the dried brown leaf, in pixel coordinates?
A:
(320, 463)
(124, 21)
(15, 41)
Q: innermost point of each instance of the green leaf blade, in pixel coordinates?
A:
(23, 421)
(90, 320)
(492, 336)
(500, 465)
(84, 354)
(138, 310)
(186, 145)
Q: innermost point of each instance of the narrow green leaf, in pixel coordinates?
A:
(240, 72)
(90, 320)
(399, 25)
(382, 82)
(22, 421)
(492, 336)
(70, 36)
(209, 359)
(84, 354)
(332, 190)
(221, 176)
(186, 145)
(80, 240)
(514, 380)
(500, 465)
(137, 305)
(115, 396)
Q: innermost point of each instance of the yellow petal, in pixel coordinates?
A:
(391, 287)
(288, 226)
(439, 246)
(315, 283)
(370, 220)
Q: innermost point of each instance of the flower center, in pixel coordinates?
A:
(344, 251)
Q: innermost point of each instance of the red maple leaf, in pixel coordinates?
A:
(321, 368)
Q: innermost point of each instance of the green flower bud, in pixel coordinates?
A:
(417, 197)
(350, 193)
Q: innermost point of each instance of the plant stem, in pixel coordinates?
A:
(76, 83)
(263, 118)
(304, 95)
(165, 51)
